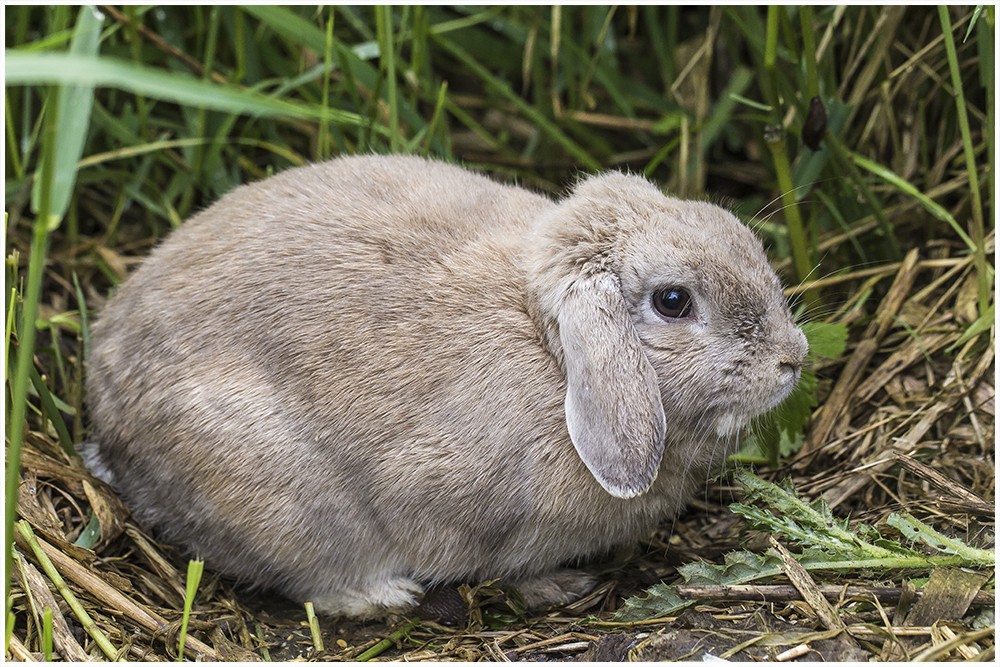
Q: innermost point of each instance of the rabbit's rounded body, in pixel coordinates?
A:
(353, 376)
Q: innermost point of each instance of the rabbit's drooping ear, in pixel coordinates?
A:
(613, 408)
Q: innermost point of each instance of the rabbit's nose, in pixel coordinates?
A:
(789, 370)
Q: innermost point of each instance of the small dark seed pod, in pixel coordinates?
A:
(815, 125)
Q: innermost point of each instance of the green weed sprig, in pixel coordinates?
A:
(827, 544)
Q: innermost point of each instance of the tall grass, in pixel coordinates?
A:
(119, 125)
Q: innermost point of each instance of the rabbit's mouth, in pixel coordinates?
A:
(731, 423)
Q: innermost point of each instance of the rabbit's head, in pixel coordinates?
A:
(667, 320)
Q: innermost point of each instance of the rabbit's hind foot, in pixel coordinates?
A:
(382, 597)
(556, 587)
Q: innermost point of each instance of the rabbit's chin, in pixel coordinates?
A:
(733, 425)
(730, 425)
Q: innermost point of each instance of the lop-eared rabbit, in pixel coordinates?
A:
(358, 378)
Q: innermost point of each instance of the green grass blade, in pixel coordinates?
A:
(985, 280)
(91, 534)
(504, 89)
(47, 634)
(722, 112)
(12, 147)
(771, 60)
(314, 629)
(436, 118)
(981, 326)
(796, 232)
(973, 21)
(52, 68)
(389, 641)
(264, 653)
(9, 322)
(985, 41)
(324, 149)
(904, 186)
(65, 441)
(26, 338)
(303, 32)
(74, 120)
(195, 569)
(809, 49)
(64, 590)
(383, 25)
(467, 22)
(844, 157)
(8, 631)
(291, 25)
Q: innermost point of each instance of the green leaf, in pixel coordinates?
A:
(670, 122)
(810, 524)
(723, 110)
(47, 634)
(738, 567)
(825, 340)
(195, 569)
(751, 103)
(918, 531)
(90, 535)
(661, 600)
(796, 411)
(49, 401)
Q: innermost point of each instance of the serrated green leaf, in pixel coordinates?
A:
(790, 529)
(895, 547)
(812, 523)
(739, 567)
(661, 600)
(709, 574)
(917, 531)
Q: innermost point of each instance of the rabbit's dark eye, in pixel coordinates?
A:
(673, 302)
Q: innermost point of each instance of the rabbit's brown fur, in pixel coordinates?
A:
(377, 371)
